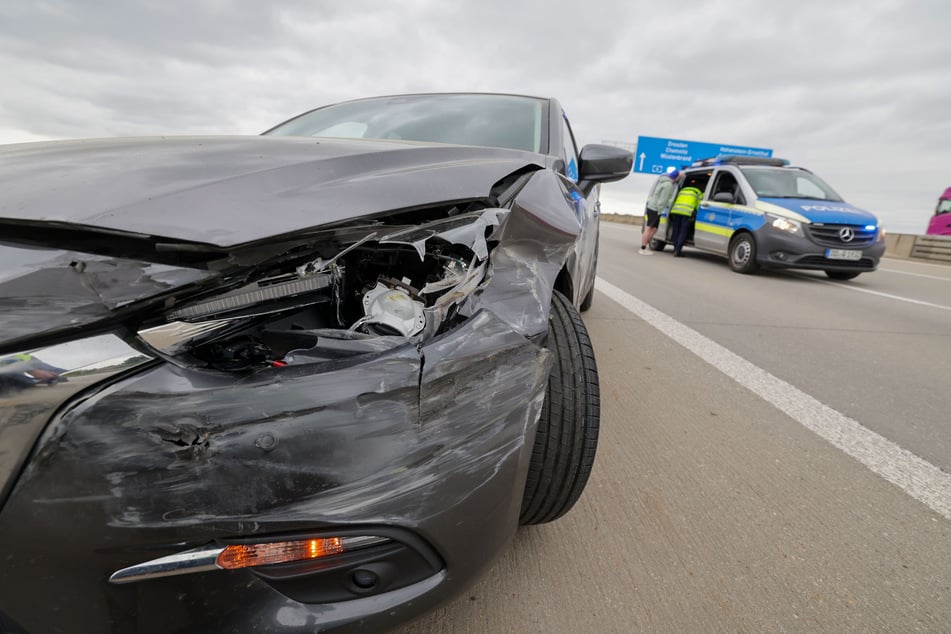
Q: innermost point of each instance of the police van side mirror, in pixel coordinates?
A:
(604, 163)
(724, 197)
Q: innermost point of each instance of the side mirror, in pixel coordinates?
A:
(724, 197)
(604, 163)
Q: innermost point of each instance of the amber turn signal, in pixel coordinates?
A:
(247, 555)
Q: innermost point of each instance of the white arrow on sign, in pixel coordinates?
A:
(643, 154)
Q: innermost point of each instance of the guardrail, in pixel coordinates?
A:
(915, 247)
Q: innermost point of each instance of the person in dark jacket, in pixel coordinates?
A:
(656, 205)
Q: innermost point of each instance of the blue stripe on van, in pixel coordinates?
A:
(824, 211)
(741, 218)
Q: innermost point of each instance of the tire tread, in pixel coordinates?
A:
(567, 435)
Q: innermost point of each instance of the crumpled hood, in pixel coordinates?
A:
(232, 190)
(819, 211)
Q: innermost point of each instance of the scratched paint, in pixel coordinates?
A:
(432, 432)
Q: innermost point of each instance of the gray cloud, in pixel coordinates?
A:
(857, 91)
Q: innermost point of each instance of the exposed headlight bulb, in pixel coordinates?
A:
(392, 311)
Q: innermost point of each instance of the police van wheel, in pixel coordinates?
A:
(567, 435)
(842, 275)
(743, 253)
(657, 245)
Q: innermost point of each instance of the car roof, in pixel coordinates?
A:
(440, 94)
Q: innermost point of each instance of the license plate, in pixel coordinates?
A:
(843, 254)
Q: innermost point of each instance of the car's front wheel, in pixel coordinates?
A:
(657, 245)
(743, 253)
(567, 434)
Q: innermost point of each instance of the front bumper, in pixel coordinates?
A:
(777, 249)
(433, 442)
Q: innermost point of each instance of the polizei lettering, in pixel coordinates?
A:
(825, 208)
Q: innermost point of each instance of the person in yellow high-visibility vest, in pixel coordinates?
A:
(681, 213)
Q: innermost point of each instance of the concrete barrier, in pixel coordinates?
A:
(914, 247)
(932, 248)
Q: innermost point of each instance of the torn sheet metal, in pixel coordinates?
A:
(534, 241)
(469, 230)
(173, 455)
(46, 289)
(35, 383)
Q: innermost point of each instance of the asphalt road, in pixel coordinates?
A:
(775, 456)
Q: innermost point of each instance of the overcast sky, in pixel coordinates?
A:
(857, 91)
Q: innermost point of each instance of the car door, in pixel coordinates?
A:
(713, 224)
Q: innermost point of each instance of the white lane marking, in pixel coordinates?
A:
(930, 277)
(879, 293)
(922, 263)
(916, 477)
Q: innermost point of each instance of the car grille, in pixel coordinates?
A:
(831, 235)
(821, 262)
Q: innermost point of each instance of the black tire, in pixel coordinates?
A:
(657, 245)
(742, 255)
(842, 275)
(567, 436)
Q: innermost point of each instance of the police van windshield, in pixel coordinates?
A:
(788, 183)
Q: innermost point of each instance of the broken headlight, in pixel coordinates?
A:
(379, 291)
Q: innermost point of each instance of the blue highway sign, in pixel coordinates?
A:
(657, 156)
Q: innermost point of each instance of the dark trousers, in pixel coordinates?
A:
(680, 227)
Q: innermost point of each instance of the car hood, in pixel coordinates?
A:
(226, 191)
(818, 211)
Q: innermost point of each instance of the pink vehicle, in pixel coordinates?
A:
(940, 224)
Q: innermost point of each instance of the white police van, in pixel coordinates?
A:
(760, 212)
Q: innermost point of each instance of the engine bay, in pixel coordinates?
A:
(386, 287)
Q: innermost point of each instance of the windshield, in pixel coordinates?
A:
(944, 206)
(788, 183)
(485, 120)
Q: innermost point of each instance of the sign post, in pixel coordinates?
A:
(656, 155)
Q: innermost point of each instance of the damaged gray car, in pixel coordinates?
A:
(307, 380)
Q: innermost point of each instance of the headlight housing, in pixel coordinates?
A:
(385, 288)
(786, 225)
